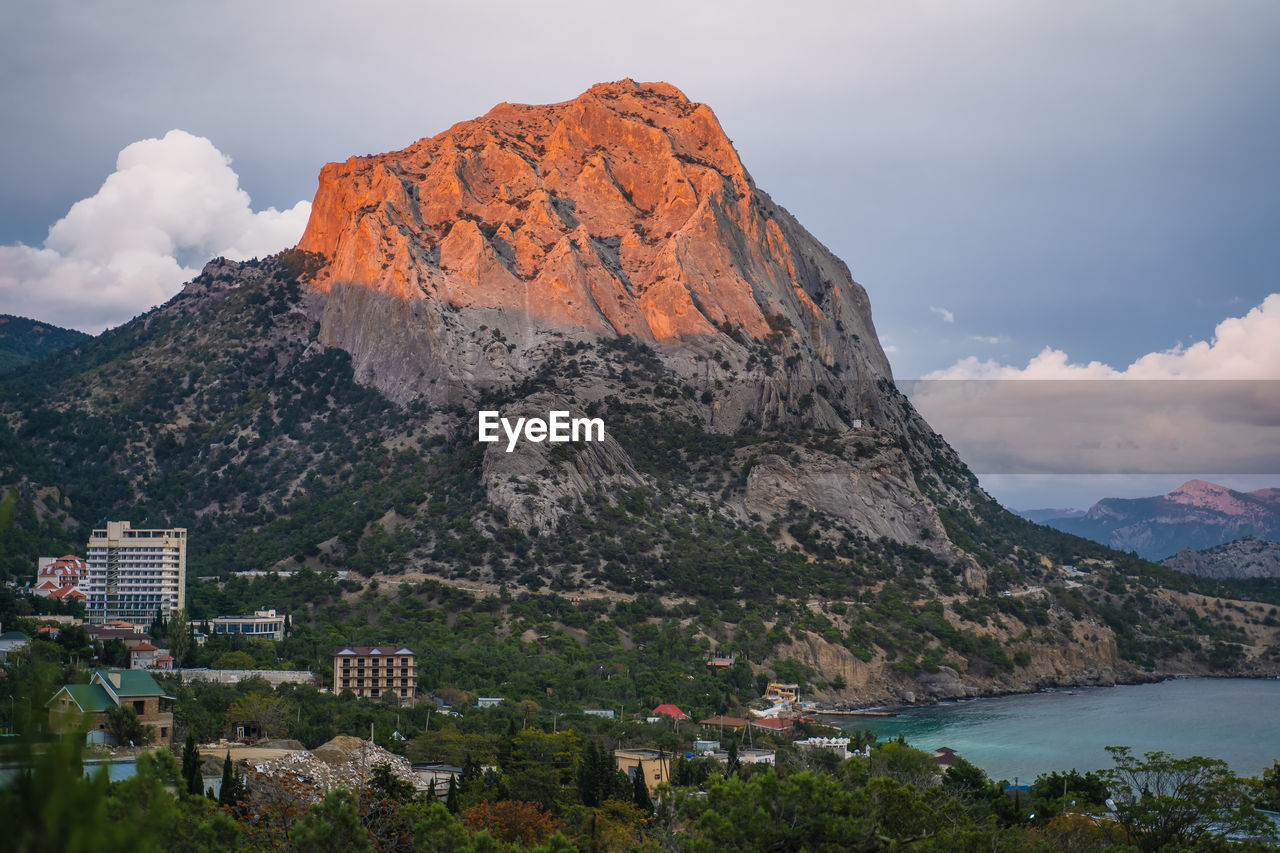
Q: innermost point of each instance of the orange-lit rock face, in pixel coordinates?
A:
(625, 210)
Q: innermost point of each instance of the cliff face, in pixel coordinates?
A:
(463, 258)
(472, 260)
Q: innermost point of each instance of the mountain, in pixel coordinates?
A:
(1044, 516)
(1195, 515)
(762, 488)
(535, 235)
(23, 340)
(1249, 557)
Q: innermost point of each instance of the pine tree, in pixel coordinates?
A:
(451, 798)
(191, 766)
(589, 778)
(734, 763)
(431, 790)
(230, 783)
(640, 791)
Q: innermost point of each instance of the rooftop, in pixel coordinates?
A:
(366, 651)
(90, 698)
(133, 682)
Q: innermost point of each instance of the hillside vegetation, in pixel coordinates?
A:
(220, 412)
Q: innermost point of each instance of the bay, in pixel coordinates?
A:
(1234, 719)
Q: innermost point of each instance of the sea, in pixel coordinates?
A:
(1016, 738)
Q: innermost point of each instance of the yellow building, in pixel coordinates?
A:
(653, 764)
(375, 671)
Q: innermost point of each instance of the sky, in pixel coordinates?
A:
(1059, 189)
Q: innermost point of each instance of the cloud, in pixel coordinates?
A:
(1063, 417)
(170, 205)
(989, 339)
(1245, 347)
(947, 316)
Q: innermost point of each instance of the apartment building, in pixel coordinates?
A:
(375, 671)
(130, 574)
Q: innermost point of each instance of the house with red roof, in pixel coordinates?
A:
(669, 710)
(945, 756)
(721, 721)
(60, 578)
(142, 656)
(777, 725)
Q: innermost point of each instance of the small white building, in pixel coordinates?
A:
(438, 773)
(748, 756)
(838, 745)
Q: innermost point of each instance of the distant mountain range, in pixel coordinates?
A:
(1244, 558)
(1196, 515)
(23, 341)
(1044, 516)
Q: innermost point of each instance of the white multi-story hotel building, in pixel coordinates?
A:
(133, 573)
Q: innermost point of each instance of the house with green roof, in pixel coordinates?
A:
(78, 704)
(11, 641)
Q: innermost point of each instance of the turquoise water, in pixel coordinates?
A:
(116, 770)
(1234, 719)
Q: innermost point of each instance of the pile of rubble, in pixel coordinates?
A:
(342, 762)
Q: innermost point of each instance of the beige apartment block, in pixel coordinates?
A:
(133, 573)
(375, 671)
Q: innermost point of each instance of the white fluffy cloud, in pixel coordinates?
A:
(170, 205)
(1079, 419)
(947, 316)
(1245, 347)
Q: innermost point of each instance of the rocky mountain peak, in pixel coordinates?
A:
(625, 211)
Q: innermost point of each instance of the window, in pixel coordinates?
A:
(139, 707)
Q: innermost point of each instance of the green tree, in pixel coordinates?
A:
(229, 794)
(191, 766)
(55, 806)
(123, 724)
(331, 825)
(385, 783)
(640, 791)
(234, 660)
(734, 763)
(965, 779)
(178, 633)
(451, 798)
(269, 711)
(1269, 787)
(1165, 802)
(816, 811)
